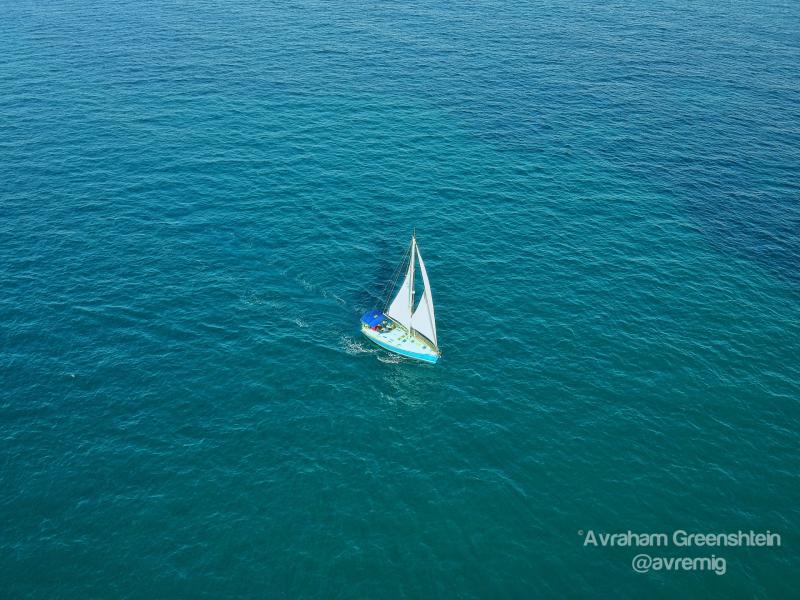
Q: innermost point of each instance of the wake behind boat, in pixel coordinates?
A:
(401, 327)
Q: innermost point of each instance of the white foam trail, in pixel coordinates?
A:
(391, 359)
(353, 347)
(252, 298)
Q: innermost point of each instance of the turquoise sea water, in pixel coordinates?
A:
(198, 200)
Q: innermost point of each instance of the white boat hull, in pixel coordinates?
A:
(399, 341)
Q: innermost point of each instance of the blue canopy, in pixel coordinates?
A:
(373, 317)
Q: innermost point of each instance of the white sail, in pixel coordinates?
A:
(400, 308)
(423, 320)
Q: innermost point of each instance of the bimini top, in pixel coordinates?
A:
(373, 317)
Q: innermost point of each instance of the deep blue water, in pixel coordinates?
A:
(198, 200)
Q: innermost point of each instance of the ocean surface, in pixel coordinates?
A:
(199, 199)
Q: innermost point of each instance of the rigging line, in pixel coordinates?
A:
(393, 280)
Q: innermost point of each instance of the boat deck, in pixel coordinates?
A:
(399, 340)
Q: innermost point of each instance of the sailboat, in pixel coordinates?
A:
(401, 327)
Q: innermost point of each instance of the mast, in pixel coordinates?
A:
(411, 287)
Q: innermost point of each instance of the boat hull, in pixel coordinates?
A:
(400, 342)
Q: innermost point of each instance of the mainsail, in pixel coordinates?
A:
(423, 319)
(401, 309)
